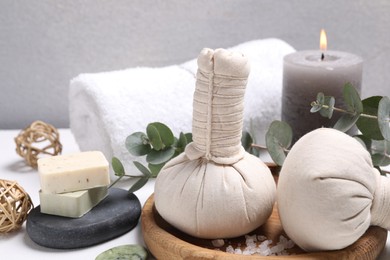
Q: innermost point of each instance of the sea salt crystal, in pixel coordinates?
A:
(278, 248)
(264, 251)
(238, 251)
(264, 248)
(290, 244)
(282, 239)
(218, 242)
(251, 238)
(230, 249)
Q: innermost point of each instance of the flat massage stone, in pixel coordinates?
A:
(117, 214)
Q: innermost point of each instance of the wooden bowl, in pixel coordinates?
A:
(166, 242)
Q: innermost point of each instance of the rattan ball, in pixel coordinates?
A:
(15, 204)
(38, 140)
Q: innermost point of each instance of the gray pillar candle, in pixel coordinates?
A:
(306, 73)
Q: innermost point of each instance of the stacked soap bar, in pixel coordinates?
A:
(71, 185)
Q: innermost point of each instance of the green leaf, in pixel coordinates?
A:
(188, 137)
(161, 136)
(137, 144)
(384, 117)
(155, 169)
(380, 152)
(117, 166)
(364, 140)
(278, 139)
(246, 141)
(380, 159)
(145, 171)
(369, 126)
(317, 105)
(352, 99)
(328, 111)
(154, 137)
(321, 98)
(162, 156)
(182, 141)
(345, 122)
(138, 185)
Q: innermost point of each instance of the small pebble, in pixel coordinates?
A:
(124, 252)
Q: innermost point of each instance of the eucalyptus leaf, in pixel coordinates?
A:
(328, 111)
(145, 171)
(369, 126)
(154, 137)
(345, 122)
(321, 98)
(380, 159)
(182, 141)
(380, 152)
(137, 144)
(384, 117)
(164, 133)
(246, 141)
(155, 169)
(162, 156)
(117, 166)
(364, 140)
(188, 137)
(138, 185)
(352, 99)
(278, 139)
(315, 107)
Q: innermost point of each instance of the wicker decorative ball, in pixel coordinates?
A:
(15, 204)
(38, 140)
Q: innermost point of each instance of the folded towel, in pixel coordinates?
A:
(106, 107)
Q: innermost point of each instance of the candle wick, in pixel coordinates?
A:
(322, 56)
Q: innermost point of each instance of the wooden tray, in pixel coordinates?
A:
(166, 242)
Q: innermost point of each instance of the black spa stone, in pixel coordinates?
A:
(117, 214)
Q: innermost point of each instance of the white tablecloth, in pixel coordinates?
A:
(17, 245)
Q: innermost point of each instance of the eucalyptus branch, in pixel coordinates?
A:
(316, 104)
(259, 146)
(159, 146)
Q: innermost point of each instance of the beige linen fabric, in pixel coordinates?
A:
(215, 189)
(329, 193)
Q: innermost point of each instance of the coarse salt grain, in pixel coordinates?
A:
(218, 242)
(264, 248)
(230, 249)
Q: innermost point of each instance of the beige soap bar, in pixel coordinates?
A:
(73, 172)
(72, 204)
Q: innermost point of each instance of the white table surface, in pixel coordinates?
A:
(17, 245)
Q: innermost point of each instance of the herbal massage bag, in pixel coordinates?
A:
(329, 193)
(215, 189)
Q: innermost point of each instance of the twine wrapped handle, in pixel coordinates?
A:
(218, 106)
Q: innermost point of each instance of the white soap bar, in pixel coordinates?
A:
(72, 204)
(73, 172)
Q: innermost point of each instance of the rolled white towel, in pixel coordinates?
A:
(106, 107)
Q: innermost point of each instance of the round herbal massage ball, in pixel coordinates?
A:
(329, 193)
(215, 189)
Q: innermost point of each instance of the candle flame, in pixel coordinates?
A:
(323, 40)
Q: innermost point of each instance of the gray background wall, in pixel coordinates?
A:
(45, 43)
